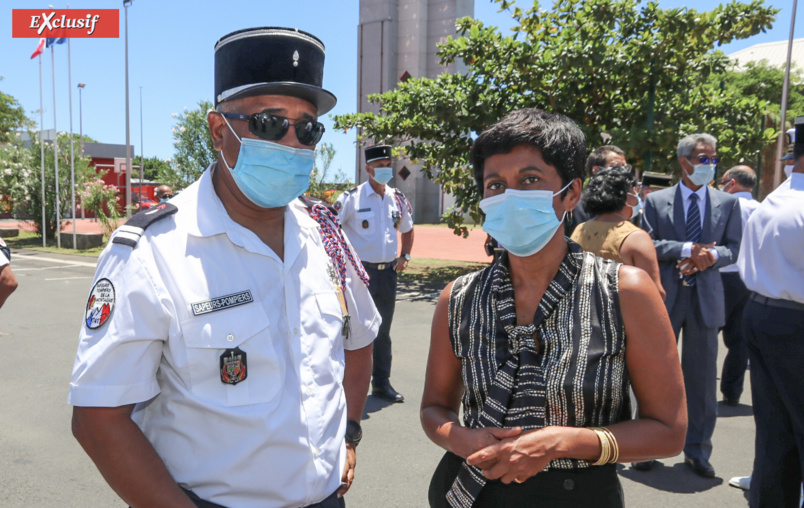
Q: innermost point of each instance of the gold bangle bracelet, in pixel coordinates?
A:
(615, 448)
(605, 447)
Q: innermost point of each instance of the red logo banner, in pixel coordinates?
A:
(71, 23)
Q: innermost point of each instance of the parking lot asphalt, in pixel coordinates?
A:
(41, 464)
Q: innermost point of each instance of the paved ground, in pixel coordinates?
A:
(431, 242)
(42, 466)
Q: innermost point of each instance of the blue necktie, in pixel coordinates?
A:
(693, 230)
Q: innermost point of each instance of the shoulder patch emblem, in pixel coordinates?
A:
(129, 233)
(100, 304)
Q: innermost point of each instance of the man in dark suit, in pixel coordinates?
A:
(696, 230)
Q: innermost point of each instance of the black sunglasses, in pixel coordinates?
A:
(272, 127)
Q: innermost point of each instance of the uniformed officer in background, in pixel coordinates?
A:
(772, 266)
(223, 347)
(163, 193)
(372, 213)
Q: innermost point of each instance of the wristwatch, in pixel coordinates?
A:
(406, 256)
(354, 433)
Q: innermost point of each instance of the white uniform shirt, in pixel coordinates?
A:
(275, 439)
(771, 261)
(747, 206)
(368, 220)
(3, 258)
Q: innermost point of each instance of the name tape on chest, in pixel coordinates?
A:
(222, 302)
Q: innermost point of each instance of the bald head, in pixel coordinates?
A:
(739, 179)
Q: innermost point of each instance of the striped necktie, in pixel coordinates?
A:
(693, 230)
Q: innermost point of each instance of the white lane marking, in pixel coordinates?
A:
(70, 278)
(28, 257)
(16, 270)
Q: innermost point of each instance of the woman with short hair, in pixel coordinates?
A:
(540, 348)
(612, 198)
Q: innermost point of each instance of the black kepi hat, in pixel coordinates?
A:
(659, 180)
(271, 61)
(377, 152)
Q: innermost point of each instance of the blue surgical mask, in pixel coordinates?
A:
(702, 174)
(383, 175)
(635, 209)
(522, 221)
(788, 170)
(270, 175)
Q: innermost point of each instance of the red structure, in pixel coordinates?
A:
(111, 159)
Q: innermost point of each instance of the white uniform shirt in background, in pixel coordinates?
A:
(275, 439)
(747, 206)
(3, 258)
(368, 220)
(771, 260)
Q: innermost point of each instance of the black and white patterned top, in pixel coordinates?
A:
(567, 368)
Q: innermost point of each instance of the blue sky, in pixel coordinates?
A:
(171, 58)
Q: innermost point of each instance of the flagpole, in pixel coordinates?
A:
(42, 148)
(777, 174)
(72, 154)
(56, 145)
(128, 133)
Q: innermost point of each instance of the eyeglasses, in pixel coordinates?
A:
(624, 167)
(707, 160)
(272, 127)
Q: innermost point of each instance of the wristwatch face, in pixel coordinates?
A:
(407, 257)
(353, 432)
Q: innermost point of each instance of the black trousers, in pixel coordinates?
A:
(333, 501)
(382, 287)
(732, 377)
(594, 487)
(776, 349)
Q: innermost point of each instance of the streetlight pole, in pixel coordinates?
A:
(126, 3)
(81, 126)
(142, 150)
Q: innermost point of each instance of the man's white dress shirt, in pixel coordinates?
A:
(771, 260)
(747, 206)
(196, 285)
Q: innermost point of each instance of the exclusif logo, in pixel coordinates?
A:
(70, 23)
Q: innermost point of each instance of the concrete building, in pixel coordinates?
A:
(397, 39)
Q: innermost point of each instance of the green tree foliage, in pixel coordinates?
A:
(194, 148)
(153, 167)
(100, 199)
(21, 180)
(12, 117)
(631, 70)
(765, 82)
(321, 179)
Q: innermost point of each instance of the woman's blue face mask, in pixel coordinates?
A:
(522, 221)
(270, 175)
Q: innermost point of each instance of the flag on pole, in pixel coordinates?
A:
(39, 48)
(51, 42)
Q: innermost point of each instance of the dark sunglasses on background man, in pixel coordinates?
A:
(707, 160)
(272, 127)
